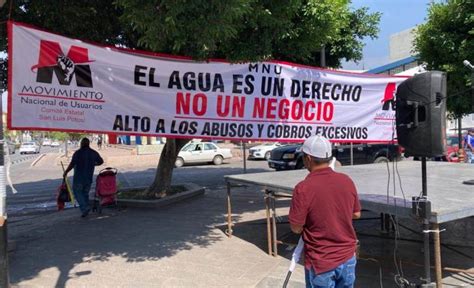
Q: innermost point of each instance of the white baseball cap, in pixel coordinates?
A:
(317, 146)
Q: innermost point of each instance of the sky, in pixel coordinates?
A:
(397, 15)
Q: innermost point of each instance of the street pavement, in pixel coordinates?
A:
(184, 244)
(37, 184)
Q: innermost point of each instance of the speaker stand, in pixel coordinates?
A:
(421, 207)
(426, 224)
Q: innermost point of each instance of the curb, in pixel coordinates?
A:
(194, 191)
(124, 147)
(37, 159)
(26, 158)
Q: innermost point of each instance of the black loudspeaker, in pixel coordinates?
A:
(421, 114)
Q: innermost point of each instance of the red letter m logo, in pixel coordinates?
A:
(388, 101)
(53, 61)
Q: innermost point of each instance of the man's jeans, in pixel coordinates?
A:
(341, 277)
(81, 192)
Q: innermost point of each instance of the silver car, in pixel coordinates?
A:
(202, 152)
(29, 147)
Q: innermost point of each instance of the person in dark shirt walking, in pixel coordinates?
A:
(83, 161)
(322, 209)
(99, 142)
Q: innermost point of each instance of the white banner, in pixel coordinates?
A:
(63, 84)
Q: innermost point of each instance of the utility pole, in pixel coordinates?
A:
(4, 278)
(4, 273)
(323, 56)
(65, 145)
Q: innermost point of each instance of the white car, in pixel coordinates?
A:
(55, 144)
(202, 152)
(262, 151)
(46, 142)
(29, 147)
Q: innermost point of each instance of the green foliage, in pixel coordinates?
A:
(443, 42)
(252, 30)
(348, 43)
(3, 75)
(62, 136)
(236, 30)
(89, 20)
(95, 21)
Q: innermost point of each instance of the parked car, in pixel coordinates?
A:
(262, 151)
(291, 157)
(46, 142)
(29, 147)
(286, 157)
(452, 148)
(452, 151)
(55, 144)
(202, 152)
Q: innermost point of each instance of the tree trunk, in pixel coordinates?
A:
(164, 172)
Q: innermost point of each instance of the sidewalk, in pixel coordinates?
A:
(181, 245)
(184, 245)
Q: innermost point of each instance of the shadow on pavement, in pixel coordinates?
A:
(63, 243)
(376, 259)
(60, 247)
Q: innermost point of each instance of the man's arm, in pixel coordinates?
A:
(297, 229)
(356, 210)
(298, 211)
(99, 161)
(70, 166)
(356, 215)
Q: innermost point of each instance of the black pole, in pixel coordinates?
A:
(459, 132)
(244, 147)
(323, 56)
(426, 224)
(4, 278)
(423, 177)
(288, 275)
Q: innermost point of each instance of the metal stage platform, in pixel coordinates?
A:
(450, 198)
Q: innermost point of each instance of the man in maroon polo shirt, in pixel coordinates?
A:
(322, 208)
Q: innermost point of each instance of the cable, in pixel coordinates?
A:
(421, 241)
(399, 278)
(444, 97)
(400, 184)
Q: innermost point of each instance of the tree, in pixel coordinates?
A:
(63, 136)
(236, 30)
(96, 21)
(243, 31)
(249, 30)
(444, 42)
